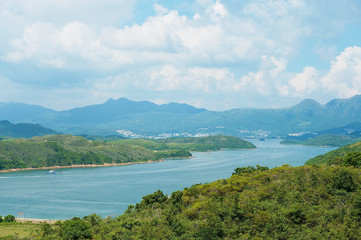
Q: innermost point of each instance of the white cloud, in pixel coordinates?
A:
(303, 84)
(214, 36)
(344, 77)
(171, 78)
(72, 46)
(264, 80)
(342, 80)
(217, 11)
(218, 51)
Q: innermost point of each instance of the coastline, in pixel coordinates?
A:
(78, 166)
(35, 221)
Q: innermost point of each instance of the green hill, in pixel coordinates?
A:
(67, 150)
(329, 140)
(23, 130)
(340, 152)
(306, 202)
(195, 144)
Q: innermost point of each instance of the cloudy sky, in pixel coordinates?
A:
(216, 54)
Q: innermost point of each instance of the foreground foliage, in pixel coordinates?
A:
(309, 202)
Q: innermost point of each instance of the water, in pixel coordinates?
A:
(108, 191)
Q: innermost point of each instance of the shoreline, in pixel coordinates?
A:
(35, 221)
(78, 166)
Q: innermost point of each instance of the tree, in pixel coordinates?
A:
(75, 229)
(9, 218)
(353, 159)
(156, 197)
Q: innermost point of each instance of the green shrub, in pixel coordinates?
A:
(9, 218)
(353, 159)
(75, 229)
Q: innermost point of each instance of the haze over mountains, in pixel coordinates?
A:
(146, 118)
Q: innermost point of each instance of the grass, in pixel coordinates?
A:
(17, 229)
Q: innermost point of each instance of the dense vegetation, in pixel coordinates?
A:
(199, 144)
(67, 150)
(309, 202)
(338, 153)
(329, 140)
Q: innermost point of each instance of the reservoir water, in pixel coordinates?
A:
(108, 191)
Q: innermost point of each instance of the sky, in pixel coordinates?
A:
(214, 54)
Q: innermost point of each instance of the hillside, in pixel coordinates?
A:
(254, 203)
(326, 140)
(149, 119)
(23, 130)
(198, 144)
(340, 152)
(67, 150)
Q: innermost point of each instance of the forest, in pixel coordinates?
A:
(308, 202)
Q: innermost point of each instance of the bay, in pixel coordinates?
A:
(108, 191)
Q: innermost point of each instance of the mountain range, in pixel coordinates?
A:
(147, 118)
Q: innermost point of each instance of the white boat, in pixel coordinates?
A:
(51, 172)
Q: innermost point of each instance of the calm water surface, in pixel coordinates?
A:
(109, 191)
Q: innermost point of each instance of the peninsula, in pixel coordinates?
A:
(67, 151)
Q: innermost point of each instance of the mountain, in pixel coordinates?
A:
(20, 112)
(114, 110)
(23, 130)
(146, 118)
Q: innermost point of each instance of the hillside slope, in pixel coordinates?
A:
(68, 150)
(326, 140)
(340, 152)
(254, 203)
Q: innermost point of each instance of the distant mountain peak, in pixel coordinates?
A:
(121, 99)
(355, 99)
(308, 104)
(110, 100)
(308, 101)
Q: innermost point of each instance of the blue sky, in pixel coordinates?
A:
(216, 54)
